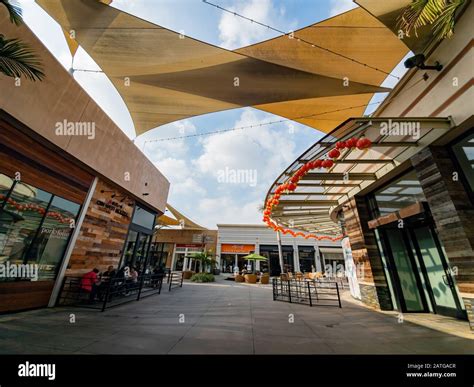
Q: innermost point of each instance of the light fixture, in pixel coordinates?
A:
(419, 62)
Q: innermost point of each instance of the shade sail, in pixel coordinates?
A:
(179, 220)
(173, 77)
(388, 12)
(354, 34)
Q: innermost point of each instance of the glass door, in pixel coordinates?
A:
(442, 287)
(405, 272)
(419, 272)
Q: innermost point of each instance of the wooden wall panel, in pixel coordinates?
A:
(365, 252)
(40, 165)
(22, 295)
(103, 233)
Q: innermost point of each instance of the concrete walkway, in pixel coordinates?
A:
(220, 318)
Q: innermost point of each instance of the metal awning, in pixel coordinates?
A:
(394, 140)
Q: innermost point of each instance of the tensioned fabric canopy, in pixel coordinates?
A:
(163, 76)
(178, 220)
(388, 12)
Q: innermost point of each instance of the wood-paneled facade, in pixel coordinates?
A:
(102, 236)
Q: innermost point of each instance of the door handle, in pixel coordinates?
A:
(447, 280)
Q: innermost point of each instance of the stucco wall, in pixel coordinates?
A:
(457, 57)
(40, 105)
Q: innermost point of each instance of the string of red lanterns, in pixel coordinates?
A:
(35, 208)
(292, 183)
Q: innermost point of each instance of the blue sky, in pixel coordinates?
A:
(195, 165)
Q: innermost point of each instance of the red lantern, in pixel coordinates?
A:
(318, 163)
(291, 187)
(295, 179)
(327, 163)
(363, 143)
(340, 145)
(334, 154)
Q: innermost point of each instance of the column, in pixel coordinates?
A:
(296, 257)
(452, 212)
(70, 247)
(370, 273)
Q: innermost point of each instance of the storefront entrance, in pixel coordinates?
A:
(418, 271)
(138, 241)
(271, 252)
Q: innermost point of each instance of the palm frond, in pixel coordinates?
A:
(443, 27)
(439, 13)
(14, 12)
(17, 60)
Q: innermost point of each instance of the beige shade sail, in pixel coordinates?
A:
(163, 76)
(178, 219)
(355, 34)
(388, 12)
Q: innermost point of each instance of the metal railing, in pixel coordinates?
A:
(308, 292)
(175, 279)
(109, 292)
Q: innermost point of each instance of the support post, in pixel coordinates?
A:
(70, 247)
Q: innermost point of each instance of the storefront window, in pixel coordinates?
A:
(20, 220)
(129, 248)
(53, 236)
(6, 184)
(399, 194)
(35, 227)
(464, 151)
(143, 218)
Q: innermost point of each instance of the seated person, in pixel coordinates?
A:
(89, 283)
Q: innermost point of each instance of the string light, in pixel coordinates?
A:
(261, 124)
(299, 39)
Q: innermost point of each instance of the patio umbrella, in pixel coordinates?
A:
(255, 257)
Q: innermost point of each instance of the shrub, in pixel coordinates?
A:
(203, 277)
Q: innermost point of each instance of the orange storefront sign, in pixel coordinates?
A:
(237, 249)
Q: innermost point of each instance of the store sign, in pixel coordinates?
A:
(187, 245)
(113, 206)
(237, 249)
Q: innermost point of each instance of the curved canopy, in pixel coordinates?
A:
(320, 194)
(163, 76)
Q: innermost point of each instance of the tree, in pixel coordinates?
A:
(205, 259)
(16, 58)
(440, 13)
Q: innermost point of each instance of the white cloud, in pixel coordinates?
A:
(181, 175)
(340, 6)
(263, 148)
(159, 150)
(236, 32)
(226, 209)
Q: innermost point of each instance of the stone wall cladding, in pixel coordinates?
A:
(469, 304)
